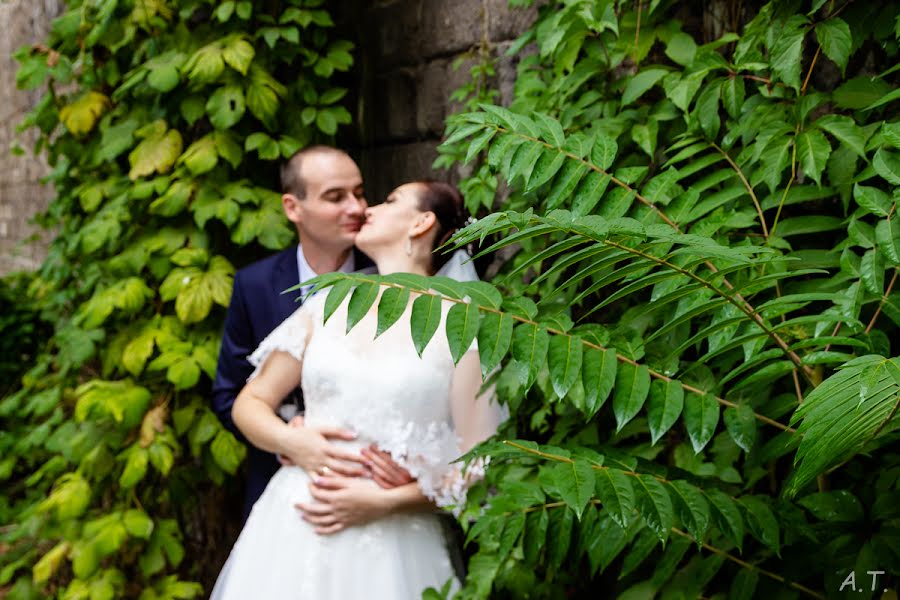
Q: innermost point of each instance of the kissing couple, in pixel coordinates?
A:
(350, 513)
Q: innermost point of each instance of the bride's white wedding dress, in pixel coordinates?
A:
(382, 390)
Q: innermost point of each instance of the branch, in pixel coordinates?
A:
(737, 169)
(792, 356)
(656, 375)
(753, 567)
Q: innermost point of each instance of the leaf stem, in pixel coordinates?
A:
(737, 169)
(619, 357)
(774, 335)
(883, 300)
(809, 73)
(752, 567)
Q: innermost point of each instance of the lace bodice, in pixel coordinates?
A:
(379, 388)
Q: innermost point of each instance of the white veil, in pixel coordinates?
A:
(460, 267)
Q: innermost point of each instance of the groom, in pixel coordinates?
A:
(323, 197)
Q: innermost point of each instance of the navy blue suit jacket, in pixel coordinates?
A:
(257, 307)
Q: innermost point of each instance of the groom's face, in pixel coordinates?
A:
(333, 208)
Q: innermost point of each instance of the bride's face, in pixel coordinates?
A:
(389, 224)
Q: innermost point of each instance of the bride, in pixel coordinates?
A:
(322, 536)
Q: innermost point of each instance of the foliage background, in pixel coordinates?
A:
(694, 329)
(164, 123)
(699, 311)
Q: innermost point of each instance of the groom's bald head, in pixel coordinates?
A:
(295, 178)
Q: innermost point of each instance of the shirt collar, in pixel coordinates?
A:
(306, 272)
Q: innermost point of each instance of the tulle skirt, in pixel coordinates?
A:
(278, 556)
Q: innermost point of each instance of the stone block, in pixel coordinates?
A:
(434, 88)
(508, 23)
(394, 99)
(451, 26)
(396, 28)
(386, 167)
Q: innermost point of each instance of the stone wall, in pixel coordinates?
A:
(21, 194)
(408, 48)
(405, 78)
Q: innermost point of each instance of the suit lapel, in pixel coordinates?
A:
(286, 274)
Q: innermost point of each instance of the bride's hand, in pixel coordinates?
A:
(341, 502)
(309, 448)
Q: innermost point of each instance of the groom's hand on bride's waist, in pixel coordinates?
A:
(383, 470)
(310, 448)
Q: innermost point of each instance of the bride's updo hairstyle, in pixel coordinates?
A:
(447, 204)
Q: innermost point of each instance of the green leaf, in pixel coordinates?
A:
(693, 509)
(336, 296)
(655, 505)
(872, 272)
(787, 50)
(598, 376)
(391, 307)
(681, 49)
(603, 151)
(727, 516)
(137, 523)
(834, 506)
(834, 37)
(632, 387)
(733, 96)
(814, 150)
(887, 236)
(872, 200)
(559, 537)
(265, 146)
(201, 156)
(859, 92)
(707, 110)
(494, 338)
(529, 347)
(361, 301)
(664, 407)
(462, 326)
(575, 483)
(225, 106)
(564, 357)
(185, 373)
(326, 121)
(616, 494)
(426, 316)
(535, 538)
(227, 451)
(762, 522)
(638, 85)
(845, 130)
(701, 416)
(887, 164)
(135, 467)
(741, 425)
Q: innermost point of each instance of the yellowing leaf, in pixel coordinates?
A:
(157, 153)
(80, 116)
(238, 53)
(44, 569)
(207, 64)
(201, 156)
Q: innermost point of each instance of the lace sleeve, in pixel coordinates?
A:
(290, 336)
(429, 454)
